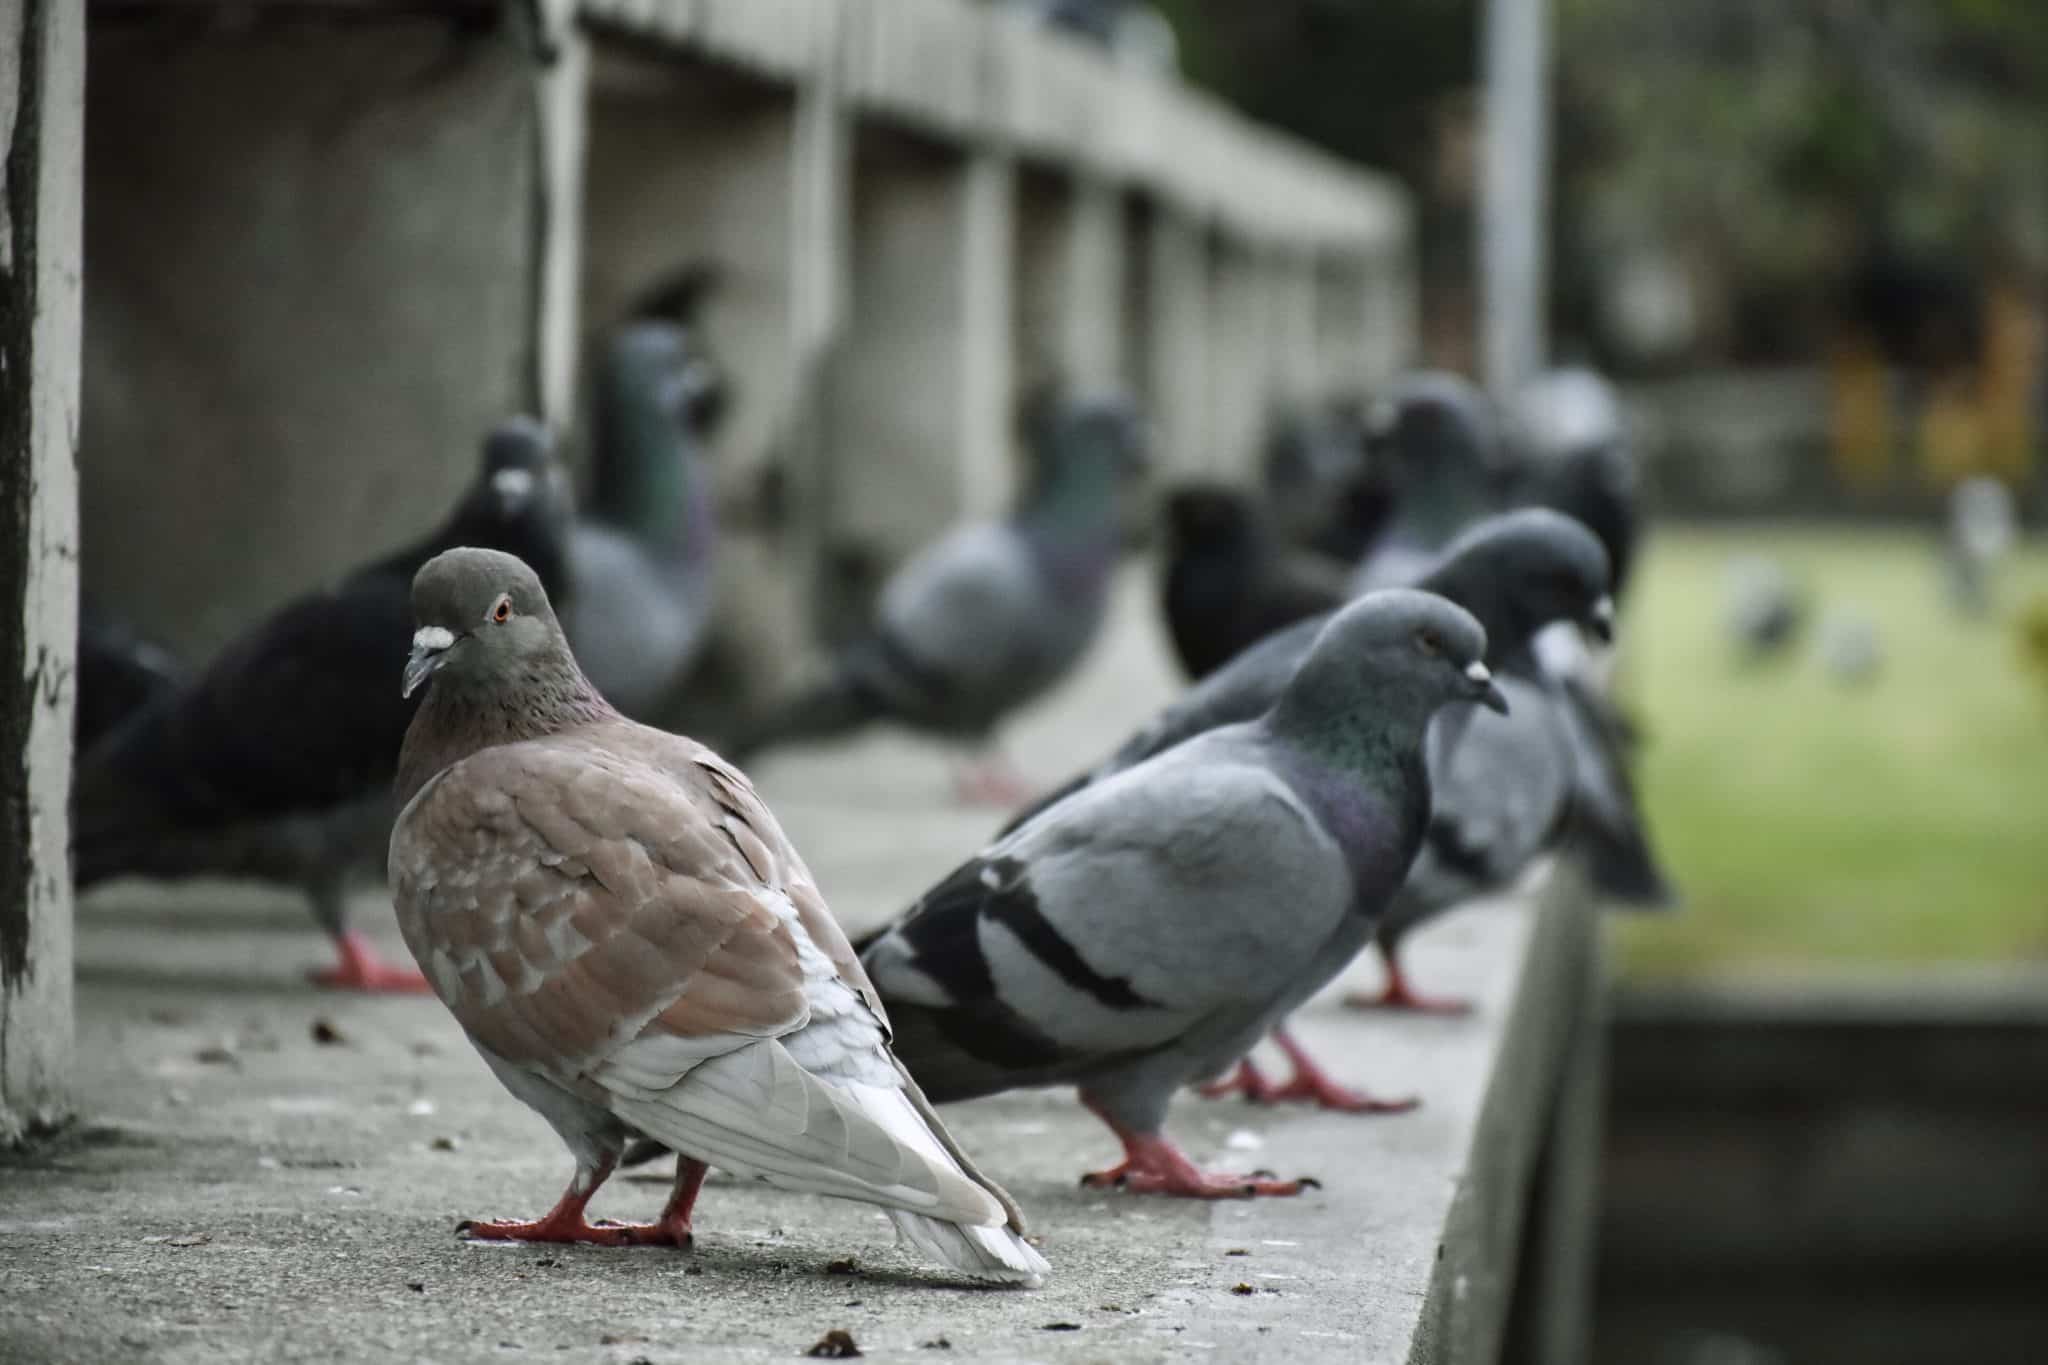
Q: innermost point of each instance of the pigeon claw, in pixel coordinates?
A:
(574, 1229)
(1153, 1165)
(1399, 995)
(1309, 1084)
(1247, 1080)
(362, 968)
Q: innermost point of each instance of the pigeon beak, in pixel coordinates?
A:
(1485, 690)
(1600, 620)
(430, 645)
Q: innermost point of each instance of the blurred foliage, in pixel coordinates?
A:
(1760, 150)
(1900, 821)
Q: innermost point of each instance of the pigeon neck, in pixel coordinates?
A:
(1326, 713)
(459, 718)
(1487, 590)
(647, 475)
(1069, 521)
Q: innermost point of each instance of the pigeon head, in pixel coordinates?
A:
(1431, 423)
(484, 623)
(520, 501)
(1079, 434)
(1382, 667)
(1521, 571)
(662, 361)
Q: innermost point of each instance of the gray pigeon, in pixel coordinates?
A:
(990, 617)
(275, 763)
(638, 952)
(1982, 525)
(1765, 610)
(1146, 932)
(1437, 441)
(641, 559)
(1573, 453)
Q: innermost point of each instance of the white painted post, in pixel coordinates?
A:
(1177, 295)
(42, 112)
(564, 120)
(1513, 200)
(1092, 288)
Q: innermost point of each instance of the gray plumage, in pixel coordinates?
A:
(636, 949)
(1436, 440)
(1765, 609)
(1146, 931)
(992, 615)
(641, 560)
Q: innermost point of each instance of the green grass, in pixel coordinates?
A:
(1905, 821)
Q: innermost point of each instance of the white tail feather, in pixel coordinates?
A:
(984, 1252)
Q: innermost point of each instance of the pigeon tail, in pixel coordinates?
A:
(1623, 870)
(997, 1253)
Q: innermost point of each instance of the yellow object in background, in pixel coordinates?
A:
(1860, 426)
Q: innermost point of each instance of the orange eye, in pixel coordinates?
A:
(503, 611)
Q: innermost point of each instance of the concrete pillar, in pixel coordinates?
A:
(1514, 192)
(1071, 295)
(920, 381)
(564, 105)
(1298, 373)
(1177, 329)
(313, 247)
(1239, 354)
(42, 103)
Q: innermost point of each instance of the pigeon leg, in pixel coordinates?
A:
(1152, 1164)
(565, 1221)
(1311, 1083)
(1246, 1079)
(992, 780)
(361, 968)
(1398, 995)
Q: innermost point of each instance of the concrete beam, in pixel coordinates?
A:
(42, 105)
(1177, 331)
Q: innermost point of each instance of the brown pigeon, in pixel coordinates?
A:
(637, 950)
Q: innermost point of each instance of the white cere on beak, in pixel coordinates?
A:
(432, 639)
(1478, 672)
(514, 486)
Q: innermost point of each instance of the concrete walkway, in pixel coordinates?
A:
(264, 1172)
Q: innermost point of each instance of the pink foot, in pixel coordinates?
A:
(362, 969)
(1313, 1085)
(1398, 995)
(1153, 1165)
(992, 782)
(565, 1221)
(1247, 1080)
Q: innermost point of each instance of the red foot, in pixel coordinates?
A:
(362, 969)
(565, 1221)
(992, 782)
(1247, 1080)
(1398, 995)
(1309, 1084)
(1153, 1165)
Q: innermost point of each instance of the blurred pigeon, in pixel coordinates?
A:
(118, 673)
(1230, 582)
(1438, 441)
(1850, 649)
(1110, 942)
(636, 949)
(275, 764)
(1136, 34)
(1573, 454)
(1765, 611)
(641, 561)
(992, 615)
(1322, 492)
(1982, 525)
(1515, 572)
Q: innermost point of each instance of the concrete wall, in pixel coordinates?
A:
(389, 229)
(42, 53)
(312, 262)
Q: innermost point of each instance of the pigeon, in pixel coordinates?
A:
(1145, 932)
(1573, 454)
(993, 614)
(1850, 648)
(641, 559)
(1437, 439)
(1321, 491)
(1230, 581)
(276, 762)
(1765, 611)
(119, 672)
(1982, 525)
(637, 950)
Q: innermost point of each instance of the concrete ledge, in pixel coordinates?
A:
(312, 1175)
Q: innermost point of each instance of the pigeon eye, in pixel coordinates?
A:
(503, 611)
(1429, 642)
